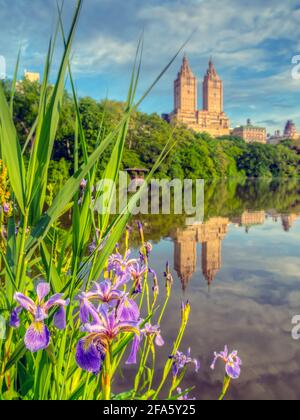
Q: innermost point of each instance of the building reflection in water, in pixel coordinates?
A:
(211, 234)
(288, 220)
(249, 218)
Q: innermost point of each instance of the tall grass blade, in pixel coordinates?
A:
(11, 152)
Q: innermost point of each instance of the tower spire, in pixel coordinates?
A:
(211, 69)
(185, 64)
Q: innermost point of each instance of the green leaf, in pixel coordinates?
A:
(11, 152)
(44, 141)
(19, 352)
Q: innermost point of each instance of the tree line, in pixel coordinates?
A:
(196, 155)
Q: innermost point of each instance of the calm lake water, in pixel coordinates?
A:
(240, 270)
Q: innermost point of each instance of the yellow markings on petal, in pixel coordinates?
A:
(86, 345)
(38, 326)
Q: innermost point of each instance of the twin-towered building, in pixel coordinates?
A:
(211, 118)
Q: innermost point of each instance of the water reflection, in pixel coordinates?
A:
(248, 251)
(210, 235)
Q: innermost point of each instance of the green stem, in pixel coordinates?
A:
(143, 361)
(169, 363)
(106, 378)
(153, 367)
(173, 386)
(226, 385)
(163, 309)
(5, 356)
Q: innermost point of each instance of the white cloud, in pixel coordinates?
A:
(101, 52)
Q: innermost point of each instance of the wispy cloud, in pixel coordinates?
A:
(102, 52)
(252, 44)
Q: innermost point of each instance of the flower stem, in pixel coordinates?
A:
(176, 345)
(106, 378)
(226, 385)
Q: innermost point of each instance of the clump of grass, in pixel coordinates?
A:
(72, 345)
(32, 245)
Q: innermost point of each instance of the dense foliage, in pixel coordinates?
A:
(195, 155)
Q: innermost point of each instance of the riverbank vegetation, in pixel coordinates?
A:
(194, 156)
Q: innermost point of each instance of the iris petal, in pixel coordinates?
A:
(128, 310)
(42, 290)
(233, 370)
(59, 319)
(159, 341)
(105, 288)
(37, 337)
(89, 357)
(55, 300)
(134, 350)
(25, 302)
(15, 317)
(87, 310)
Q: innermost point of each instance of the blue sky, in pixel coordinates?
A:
(252, 43)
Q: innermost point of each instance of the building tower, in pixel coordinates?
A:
(185, 255)
(290, 131)
(185, 90)
(211, 259)
(212, 91)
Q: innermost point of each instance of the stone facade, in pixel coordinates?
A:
(250, 218)
(251, 133)
(32, 77)
(211, 118)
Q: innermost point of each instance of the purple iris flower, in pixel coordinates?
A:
(148, 331)
(37, 336)
(121, 266)
(103, 292)
(145, 251)
(94, 245)
(153, 331)
(107, 325)
(232, 363)
(83, 184)
(6, 208)
(138, 272)
(180, 360)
